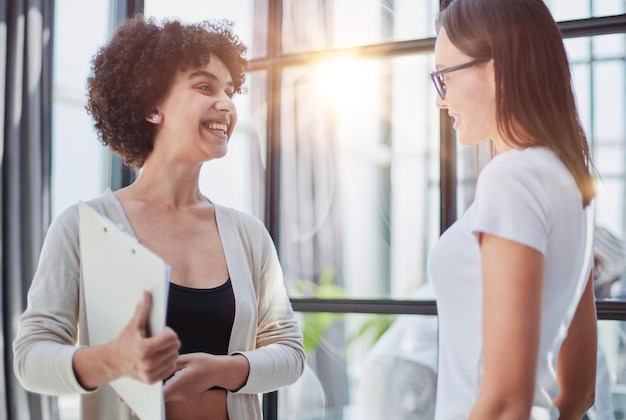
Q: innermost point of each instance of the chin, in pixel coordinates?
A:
(221, 153)
(215, 154)
(468, 140)
(465, 142)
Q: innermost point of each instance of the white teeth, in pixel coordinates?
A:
(217, 126)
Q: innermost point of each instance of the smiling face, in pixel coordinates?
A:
(197, 116)
(470, 94)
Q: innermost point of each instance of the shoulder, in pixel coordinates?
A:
(535, 169)
(68, 219)
(532, 159)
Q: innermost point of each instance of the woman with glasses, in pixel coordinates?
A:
(161, 96)
(516, 309)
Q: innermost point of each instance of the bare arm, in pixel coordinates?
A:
(576, 364)
(512, 285)
(132, 354)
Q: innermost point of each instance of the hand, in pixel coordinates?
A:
(195, 373)
(198, 372)
(146, 359)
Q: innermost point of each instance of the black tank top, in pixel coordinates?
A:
(202, 318)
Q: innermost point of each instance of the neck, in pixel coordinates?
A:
(171, 185)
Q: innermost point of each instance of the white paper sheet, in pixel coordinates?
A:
(116, 271)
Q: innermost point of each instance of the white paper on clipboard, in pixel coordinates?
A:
(116, 270)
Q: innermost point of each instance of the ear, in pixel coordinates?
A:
(153, 117)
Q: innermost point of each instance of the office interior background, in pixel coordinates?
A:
(339, 148)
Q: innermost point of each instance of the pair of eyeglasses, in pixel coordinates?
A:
(438, 76)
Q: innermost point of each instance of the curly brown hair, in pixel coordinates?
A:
(135, 70)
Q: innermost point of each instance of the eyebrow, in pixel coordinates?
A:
(208, 75)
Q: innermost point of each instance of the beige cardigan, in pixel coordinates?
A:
(265, 330)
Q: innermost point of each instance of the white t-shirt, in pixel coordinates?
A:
(527, 196)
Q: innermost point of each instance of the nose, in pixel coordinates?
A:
(225, 103)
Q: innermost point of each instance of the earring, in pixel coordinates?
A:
(155, 117)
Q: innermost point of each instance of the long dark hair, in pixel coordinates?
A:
(535, 104)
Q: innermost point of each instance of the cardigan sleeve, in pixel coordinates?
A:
(47, 330)
(278, 359)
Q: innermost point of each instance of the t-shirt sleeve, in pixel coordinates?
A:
(512, 203)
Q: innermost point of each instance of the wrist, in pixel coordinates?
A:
(93, 366)
(238, 368)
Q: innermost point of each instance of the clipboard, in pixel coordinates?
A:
(116, 270)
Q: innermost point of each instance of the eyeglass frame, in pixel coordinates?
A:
(440, 85)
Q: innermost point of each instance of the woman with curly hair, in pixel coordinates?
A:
(161, 98)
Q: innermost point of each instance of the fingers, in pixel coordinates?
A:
(140, 356)
(176, 388)
(159, 356)
(196, 373)
(142, 313)
(172, 389)
(163, 347)
(150, 373)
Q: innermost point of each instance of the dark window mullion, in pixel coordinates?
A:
(606, 310)
(272, 175)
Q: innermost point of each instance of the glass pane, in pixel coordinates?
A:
(240, 12)
(353, 363)
(609, 137)
(569, 9)
(609, 46)
(611, 371)
(577, 49)
(563, 10)
(359, 176)
(609, 84)
(79, 31)
(75, 150)
(610, 203)
(317, 24)
(608, 7)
